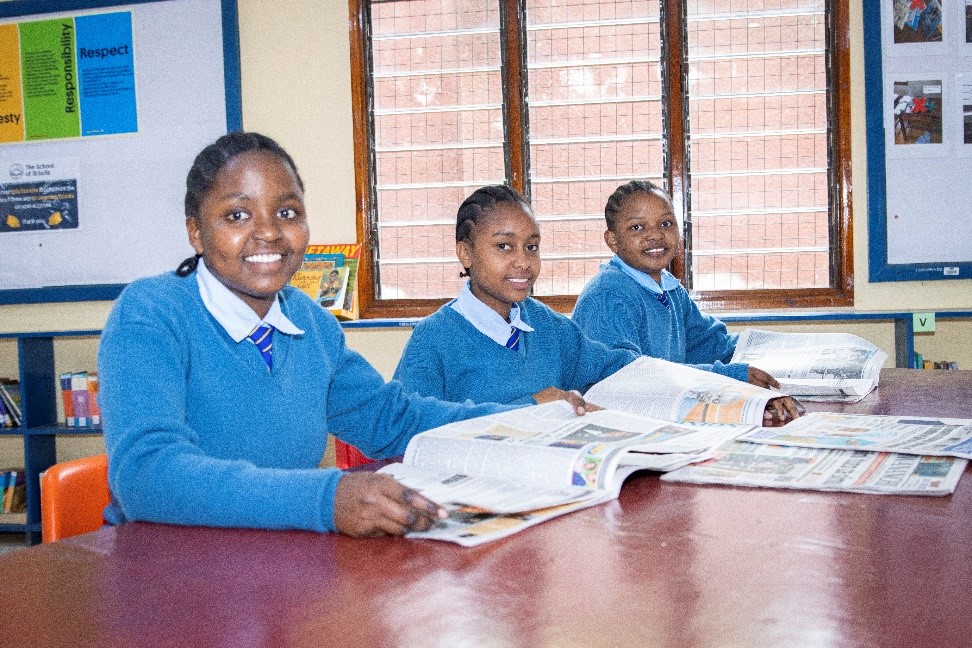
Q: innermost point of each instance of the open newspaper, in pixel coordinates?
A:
(499, 474)
(739, 463)
(921, 435)
(827, 367)
(668, 391)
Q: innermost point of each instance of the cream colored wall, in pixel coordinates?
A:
(297, 89)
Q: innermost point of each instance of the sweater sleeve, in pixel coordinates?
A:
(709, 345)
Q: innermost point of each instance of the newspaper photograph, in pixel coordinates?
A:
(665, 390)
(738, 463)
(826, 367)
(922, 435)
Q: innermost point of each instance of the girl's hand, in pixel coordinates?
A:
(780, 411)
(577, 401)
(368, 505)
(762, 379)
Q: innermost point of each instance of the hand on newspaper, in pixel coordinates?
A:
(368, 505)
(780, 411)
(762, 379)
(577, 401)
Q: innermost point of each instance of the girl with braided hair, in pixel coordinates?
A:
(494, 343)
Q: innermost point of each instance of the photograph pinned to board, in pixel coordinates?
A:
(914, 111)
(917, 21)
(968, 21)
(964, 94)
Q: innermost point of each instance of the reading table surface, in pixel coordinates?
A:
(664, 565)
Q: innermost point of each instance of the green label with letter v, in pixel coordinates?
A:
(923, 322)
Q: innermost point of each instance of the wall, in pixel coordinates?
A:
(297, 88)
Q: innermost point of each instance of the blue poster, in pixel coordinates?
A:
(106, 71)
(45, 205)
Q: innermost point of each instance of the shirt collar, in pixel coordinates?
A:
(485, 319)
(232, 313)
(668, 280)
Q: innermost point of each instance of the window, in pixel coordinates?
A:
(732, 105)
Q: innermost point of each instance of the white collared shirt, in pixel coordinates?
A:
(485, 319)
(668, 280)
(232, 313)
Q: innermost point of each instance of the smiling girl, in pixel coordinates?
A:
(494, 342)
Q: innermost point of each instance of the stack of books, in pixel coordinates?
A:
(13, 489)
(9, 403)
(79, 395)
(329, 276)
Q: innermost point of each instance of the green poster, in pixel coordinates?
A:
(50, 79)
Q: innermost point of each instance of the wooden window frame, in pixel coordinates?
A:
(512, 25)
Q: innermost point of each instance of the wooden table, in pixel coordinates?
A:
(664, 565)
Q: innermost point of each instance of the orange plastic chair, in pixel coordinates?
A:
(74, 495)
(347, 456)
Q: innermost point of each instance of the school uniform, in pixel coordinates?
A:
(627, 309)
(460, 352)
(201, 431)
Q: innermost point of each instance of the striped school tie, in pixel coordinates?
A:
(663, 298)
(514, 341)
(262, 337)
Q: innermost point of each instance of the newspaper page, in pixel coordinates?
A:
(922, 435)
(498, 474)
(826, 367)
(738, 463)
(669, 391)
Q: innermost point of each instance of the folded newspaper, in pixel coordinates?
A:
(922, 435)
(740, 463)
(668, 391)
(826, 367)
(498, 474)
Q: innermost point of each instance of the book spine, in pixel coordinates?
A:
(8, 490)
(67, 399)
(5, 419)
(79, 394)
(93, 409)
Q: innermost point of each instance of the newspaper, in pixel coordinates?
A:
(498, 474)
(922, 435)
(739, 463)
(826, 367)
(664, 390)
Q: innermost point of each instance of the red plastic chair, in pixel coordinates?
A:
(74, 495)
(347, 456)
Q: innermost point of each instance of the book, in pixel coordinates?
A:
(10, 394)
(67, 399)
(827, 367)
(79, 396)
(343, 302)
(93, 409)
(499, 474)
(669, 391)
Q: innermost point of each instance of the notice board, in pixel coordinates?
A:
(103, 107)
(918, 69)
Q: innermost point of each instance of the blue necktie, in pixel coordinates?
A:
(663, 298)
(262, 337)
(514, 341)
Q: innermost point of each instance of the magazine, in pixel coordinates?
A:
(498, 474)
(738, 463)
(826, 367)
(922, 435)
(668, 391)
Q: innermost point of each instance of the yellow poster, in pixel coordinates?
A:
(11, 99)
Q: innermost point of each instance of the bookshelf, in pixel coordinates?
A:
(39, 429)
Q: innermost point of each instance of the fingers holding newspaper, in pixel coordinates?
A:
(782, 410)
(369, 505)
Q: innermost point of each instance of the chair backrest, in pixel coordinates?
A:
(74, 495)
(347, 456)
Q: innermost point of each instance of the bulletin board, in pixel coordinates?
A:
(918, 76)
(103, 107)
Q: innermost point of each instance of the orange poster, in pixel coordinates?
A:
(11, 100)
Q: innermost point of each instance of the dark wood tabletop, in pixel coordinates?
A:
(664, 565)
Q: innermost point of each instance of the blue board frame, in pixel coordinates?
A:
(878, 267)
(234, 121)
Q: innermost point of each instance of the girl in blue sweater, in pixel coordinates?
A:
(634, 303)
(220, 383)
(494, 342)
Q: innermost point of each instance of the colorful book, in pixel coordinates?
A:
(67, 399)
(339, 294)
(79, 395)
(94, 411)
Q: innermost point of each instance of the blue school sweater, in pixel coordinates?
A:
(447, 357)
(617, 310)
(199, 431)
